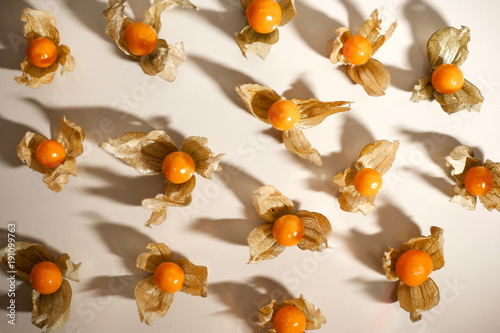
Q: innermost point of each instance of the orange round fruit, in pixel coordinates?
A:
(45, 277)
(288, 230)
(263, 16)
(169, 277)
(50, 153)
(141, 38)
(447, 79)
(357, 50)
(41, 52)
(283, 115)
(367, 182)
(289, 319)
(414, 267)
(479, 180)
(178, 167)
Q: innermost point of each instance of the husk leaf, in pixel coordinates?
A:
(26, 256)
(251, 41)
(151, 301)
(262, 244)
(432, 245)
(350, 200)
(389, 264)
(415, 300)
(68, 268)
(491, 200)
(423, 90)
(270, 204)
(266, 314)
(52, 310)
(195, 282)
(448, 46)
(317, 231)
(336, 55)
(464, 198)
(159, 253)
(372, 76)
(313, 111)
(71, 136)
(258, 99)
(27, 148)
(468, 98)
(288, 11)
(379, 155)
(296, 142)
(371, 30)
(314, 318)
(204, 159)
(153, 14)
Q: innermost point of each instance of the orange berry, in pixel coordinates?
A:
(283, 115)
(169, 277)
(414, 267)
(141, 38)
(50, 153)
(289, 319)
(178, 167)
(42, 52)
(357, 50)
(367, 182)
(288, 230)
(479, 180)
(45, 277)
(263, 16)
(447, 79)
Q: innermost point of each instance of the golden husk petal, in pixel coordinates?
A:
(415, 300)
(372, 76)
(379, 155)
(432, 245)
(448, 46)
(262, 244)
(270, 204)
(371, 30)
(266, 314)
(336, 55)
(317, 231)
(151, 301)
(52, 310)
(491, 200)
(71, 136)
(205, 160)
(314, 317)
(153, 14)
(258, 99)
(195, 282)
(313, 111)
(288, 11)
(251, 41)
(26, 151)
(26, 256)
(350, 200)
(463, 198)
(423, 90)
(296, 142)
(157, 254)
(389, 264)
(468, 98)
(68, 268)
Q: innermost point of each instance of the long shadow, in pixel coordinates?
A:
(105, 285)
(11, 134)
(230, 20)
(356, 18)
(244, 300)
(89, 12)
(299, 89)
(380, 290)
(12, 36)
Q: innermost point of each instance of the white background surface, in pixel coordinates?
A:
(98, 219)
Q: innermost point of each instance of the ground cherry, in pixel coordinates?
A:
(42, 52)
(367, 182)
(447, 79)
(283, 115)
(178, 167)
(289, 319)
(263, 16)
(288, 230)
(169, 277)
(45, 277)
(479, 180)
(414, 267)
(141, 38)
(357, 50)
(50, 153)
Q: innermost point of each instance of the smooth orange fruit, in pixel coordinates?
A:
(50, 153)
(169, 277)
(45, 277)
(357, 50)
(288, 230)
(289, 319)
(447, 79)
(178, 167)
(479, 180)
(141, 38)
(42, 52)
(367, 182)
(264, 16)
(414, 267)
(283, 115)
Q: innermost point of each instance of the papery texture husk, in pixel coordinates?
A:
(270, 204)
(204, 159)
(313, 111)
(372, 76)
(266, 314)
(336, 55)
(415, 300)
(68, 268)
(258, 99)
(157, 254)
(42, 24)
(389, 264)
(448, 46)
(350, 200)
(379, 155)
(491, 200)
(52, 310)
(432, 245)
(262, 244)
(317, 231)
(296, 142)
(423, 90)
(26, 256)
(151, 301)
(195, 282)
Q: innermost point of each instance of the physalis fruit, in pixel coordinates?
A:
(50, 153)
(367, 182)
(178, 167)
(357, 50)
(263, 16)
(283, 115)
(45, 277)
(288, 230)
(41, 52)
(479, 180)
(414, 267)
(169, 277)
(289, 319)
(447, 79)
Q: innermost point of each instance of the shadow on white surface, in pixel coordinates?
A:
(12, 37)
(89, 13)
(230, 20)
(11, 134)
(382, 290)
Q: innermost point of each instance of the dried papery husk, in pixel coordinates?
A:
(418, 299)
(266, 314)
(389, 264)
(372, 76)
(296, 142)
(195, 282)
(379, 156)
(423, 90)
(468, 98)
(151, 301)
(26, 256)
(52, 310)
(317, 231)
(68, 268)
(491, 200)
(262, 244)
(42, 24)
(464, 198)
(336, 55)
(158, 253)
(313, 111)
(448, 46)
(270, 204)
(206, 162)
(371, 30)
(258, 99)
(432, 245)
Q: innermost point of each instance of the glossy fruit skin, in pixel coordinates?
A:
(367, 182)
(41, 52)
(50, 153)
(288, 230)
(264, 16)
(141, 38)
(289, 319)
(447, 79)
(283, 115)
(479, 180)
(178, 167)
(169, 277)
(45, 277)
(414, 267)
(357, 50)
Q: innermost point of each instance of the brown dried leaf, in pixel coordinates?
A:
(423, 90)
(68, 268)
(288, 11)
(379, 155)
(372, 76)
(204, 159)
(258, 99)
(448, 46)
(415, 300)
(313, 111)
(350, 200)
(468, 98)
(432, 245)
(389, 264)
(267, 312)
(143, 151)
(26, 256)
(159, 253)
(270, 204)
(296, 142)
(317, 231)
(52, 310)
(491, 200)
(343, 34)
(151, 301)
(27, 148)
(262, 244)
(250, 40)
(314, 318)
(195, 282)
